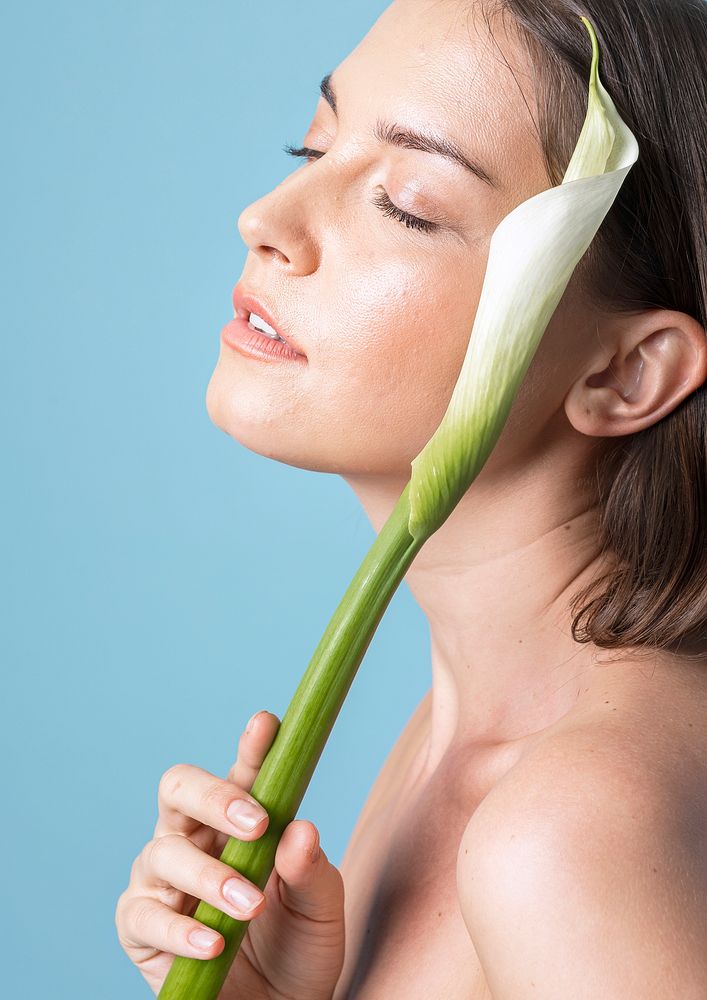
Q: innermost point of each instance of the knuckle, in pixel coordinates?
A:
(148, 853)
(337, 881)
(120, 908)
(142, 916)
(135, 867)
(174, 927)
(215, 795)
(154, 852)
(171, 781)
(209, 877)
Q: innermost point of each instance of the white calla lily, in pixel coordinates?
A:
(532, 255)
(546, 235)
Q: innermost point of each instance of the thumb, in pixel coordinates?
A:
(310, 884)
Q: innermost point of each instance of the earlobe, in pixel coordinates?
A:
(657, 363)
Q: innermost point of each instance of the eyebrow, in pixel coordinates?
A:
(403, 137)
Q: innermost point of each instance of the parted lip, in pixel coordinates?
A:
(244, 303)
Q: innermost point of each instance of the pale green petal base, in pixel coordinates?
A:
(286, 771)
(533, 253)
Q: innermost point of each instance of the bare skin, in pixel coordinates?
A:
(405, 870)
(382, 312)
(294, 945)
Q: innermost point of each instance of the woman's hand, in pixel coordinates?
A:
(294, 945)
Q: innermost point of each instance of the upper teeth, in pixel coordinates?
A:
(259, 323)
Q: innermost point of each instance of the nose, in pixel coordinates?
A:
(276, 228)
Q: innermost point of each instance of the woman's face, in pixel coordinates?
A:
(382, 310)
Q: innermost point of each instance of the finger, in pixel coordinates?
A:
(204, 838)
(253, 745)
(174, 862)
(147, 923)
(189, 795)
(310, 884)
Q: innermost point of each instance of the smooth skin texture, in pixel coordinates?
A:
(294, 947)
(593, 853)
(498, 850)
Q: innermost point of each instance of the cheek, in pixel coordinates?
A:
(386, 351)
(394, 373)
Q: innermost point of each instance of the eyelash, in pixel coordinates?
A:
(380, 200)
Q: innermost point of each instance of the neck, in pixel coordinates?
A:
(495, 584)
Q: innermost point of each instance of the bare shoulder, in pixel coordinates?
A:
(584, 871)
(640, 733)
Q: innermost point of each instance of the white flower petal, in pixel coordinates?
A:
(532, 255)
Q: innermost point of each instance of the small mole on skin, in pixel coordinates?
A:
(567, 527)
(655, 869)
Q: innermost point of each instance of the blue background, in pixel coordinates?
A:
(150, 608)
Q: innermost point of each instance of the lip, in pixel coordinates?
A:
(244, 303)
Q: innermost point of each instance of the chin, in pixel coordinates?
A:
(214, 401)
(287, 434)
(239, 415)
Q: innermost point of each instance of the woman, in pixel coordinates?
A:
(538, 829)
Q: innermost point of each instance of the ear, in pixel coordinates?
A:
(660, 357)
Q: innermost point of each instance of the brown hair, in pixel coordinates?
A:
(651, 251)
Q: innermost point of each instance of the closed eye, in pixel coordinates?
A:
(380, 200)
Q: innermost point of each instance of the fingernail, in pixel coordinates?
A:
(245, 815)
(241, 895)
(203, 939)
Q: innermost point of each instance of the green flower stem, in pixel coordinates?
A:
(288, 767)
(544, 236)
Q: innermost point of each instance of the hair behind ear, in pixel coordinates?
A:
(651, 251)
(653, 519)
